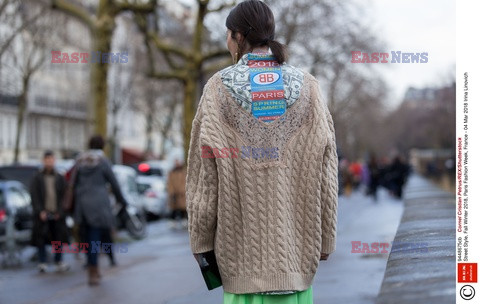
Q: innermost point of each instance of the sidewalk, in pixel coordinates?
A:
(356, 277)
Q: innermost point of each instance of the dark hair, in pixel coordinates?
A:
(96, 142)
(48, 153)
(255, 21)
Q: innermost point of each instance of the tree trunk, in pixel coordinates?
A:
(99, 86)
(114, 155)
(194, 68)
(102, 39)
(190, 97)
(22, 107)
(148, 130)
(163, 151)
(101, 27)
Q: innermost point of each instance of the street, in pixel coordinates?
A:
(161, 269)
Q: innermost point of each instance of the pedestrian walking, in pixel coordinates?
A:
(374, 177)
(346, 176)
(268, 219)
(176, 193)
(108, 238)
(356, 173)
(47, 191)
(91, 175)
(397, 176)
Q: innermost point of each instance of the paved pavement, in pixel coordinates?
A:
(161, 269)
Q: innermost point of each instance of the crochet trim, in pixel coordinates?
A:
(255, 133)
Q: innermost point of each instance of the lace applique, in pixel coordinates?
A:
(257, 134)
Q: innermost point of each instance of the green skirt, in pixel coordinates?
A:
(301, 297)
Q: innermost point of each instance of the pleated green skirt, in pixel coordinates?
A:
(301, 297)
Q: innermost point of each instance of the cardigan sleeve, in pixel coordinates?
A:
(329, 194)
(201, 186)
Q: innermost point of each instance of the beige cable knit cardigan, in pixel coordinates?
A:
(267, 218)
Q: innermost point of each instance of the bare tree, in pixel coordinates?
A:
(120, 99)
(121, 78)
(9, 11)
(101, 24)
(424, 123)
(27, 53)
(169, 114)
(158, 101)
(187, 60)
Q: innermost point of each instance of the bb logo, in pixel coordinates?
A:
(265, 78)
(467, 292)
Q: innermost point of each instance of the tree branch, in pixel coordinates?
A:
(222, 7)
(24, 25)
(141, 22)
(216, 67)
(163, 46)
(75, 11)
(178, 75)
(215, 54)
(169, 60)
(3, 6)
(141, 8)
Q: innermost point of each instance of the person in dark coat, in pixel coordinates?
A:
(91, 175)
(47, 191)
(397, 176)
(374, 177)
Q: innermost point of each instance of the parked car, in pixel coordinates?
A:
(15, 201)
(153, 190)
(24, 173)
(159, 168)
(20, 173)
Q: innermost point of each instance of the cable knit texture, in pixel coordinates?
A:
(268, 219)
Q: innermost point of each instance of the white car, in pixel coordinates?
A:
(159, 168)
(154, 192)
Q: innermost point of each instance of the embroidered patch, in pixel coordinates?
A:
(266, 82)
(236, 79)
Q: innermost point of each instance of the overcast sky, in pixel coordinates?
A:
(416, 26)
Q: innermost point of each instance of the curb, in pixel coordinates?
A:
(425, 275)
